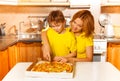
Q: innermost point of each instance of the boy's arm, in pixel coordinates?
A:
(46, 47)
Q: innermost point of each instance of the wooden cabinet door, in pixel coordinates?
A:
(29, 52)
(13, 54)
(4, 68)
(24, 52)
(113, 54)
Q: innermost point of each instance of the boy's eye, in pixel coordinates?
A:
(56, 26)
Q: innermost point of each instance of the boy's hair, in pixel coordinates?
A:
(56, 16)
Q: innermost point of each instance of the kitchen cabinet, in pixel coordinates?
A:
(110, 6)
(110, 9)
(13, 55)
(4, 65)
(43, 2)
(113, 54)
(29, 52)
(8, 2)
(24, 52)
(35, 2)
(110, 2)
(19, 52)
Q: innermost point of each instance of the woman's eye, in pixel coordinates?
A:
(74, 22)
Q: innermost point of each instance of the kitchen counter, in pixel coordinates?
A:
(103, 38)
(114, 40)
(84, 71)
(6, 41)
(9, 40)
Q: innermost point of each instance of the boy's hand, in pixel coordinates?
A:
(46, 54)
(47, 57)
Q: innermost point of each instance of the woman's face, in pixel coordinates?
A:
(76, 25)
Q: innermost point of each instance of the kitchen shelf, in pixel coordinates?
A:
(111, 4)
(110, 9)
(44, 4)
(26, 3)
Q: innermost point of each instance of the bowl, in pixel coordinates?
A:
(28, 36)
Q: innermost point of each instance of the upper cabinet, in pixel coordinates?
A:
(69, 3)
(79, 3)
(36, 2)
(110, 2)
(110, 6)
(44, 2)
(8, 2)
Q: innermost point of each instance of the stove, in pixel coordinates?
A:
(100, 48)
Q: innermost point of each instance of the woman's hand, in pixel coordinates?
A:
(60, 59)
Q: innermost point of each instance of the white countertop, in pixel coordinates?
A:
(84, 71)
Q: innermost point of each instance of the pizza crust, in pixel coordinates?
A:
(52, 67)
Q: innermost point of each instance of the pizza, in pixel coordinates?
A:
(53, 67)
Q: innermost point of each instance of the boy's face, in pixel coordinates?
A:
(58, 27)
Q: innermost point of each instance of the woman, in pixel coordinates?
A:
(82, 25)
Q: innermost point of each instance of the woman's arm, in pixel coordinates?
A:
(72, 54)
(65, 58)
(89, 58)
(45, 47)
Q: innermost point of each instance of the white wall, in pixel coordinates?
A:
(12, 15)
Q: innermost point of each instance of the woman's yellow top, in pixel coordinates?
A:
(82, 43)
(61, 44)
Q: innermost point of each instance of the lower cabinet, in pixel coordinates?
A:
(20, 52)
(113, 54)
(12, 56)
(4, 65)
(24, 52)
(29, 52)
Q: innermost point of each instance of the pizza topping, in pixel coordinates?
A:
(53, 67)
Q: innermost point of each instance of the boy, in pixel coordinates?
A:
(62, 42)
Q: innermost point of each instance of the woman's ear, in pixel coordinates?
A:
(65, 22)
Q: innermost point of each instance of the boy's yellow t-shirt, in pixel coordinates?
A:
(61, 44)
(82, 43)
